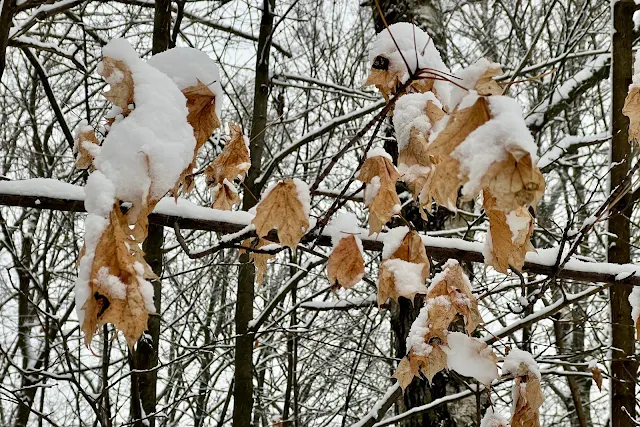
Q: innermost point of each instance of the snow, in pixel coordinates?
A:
(392, 240)
(409, 113)
(558, 150)
(379, 151)
(100, 194)
(44, 188)
(517, 223)
(466, 356)
(634, 300)
(356, 302)
(185, 66)
(413, 46)
(636, 70)
(304, 196)
(468, 78)
(407, 275)
(492, 419)
(110, 284)
(419, 329)
(491, 142)
(144, 154)
(371, 190)
(516, 358)
(344, 225)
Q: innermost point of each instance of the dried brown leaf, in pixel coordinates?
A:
(412, 250)
(486, 85)
(631, 109)
(225, 196)
(116, 73)
(529, 399)
(506, 249)
(83, 144)
(259, 259)
(596, 374)
(381, 198)
(410, 283)
(233, 162)
(345, 266)
(281, 209)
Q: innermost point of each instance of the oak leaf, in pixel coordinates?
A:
(345, 266)
(282, 209)
(380, 176)
(509, 235)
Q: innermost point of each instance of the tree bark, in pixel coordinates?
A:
(6, 17)
(144, 384)
(623, 367)
(243, 380)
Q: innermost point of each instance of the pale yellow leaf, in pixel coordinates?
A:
(345, 266)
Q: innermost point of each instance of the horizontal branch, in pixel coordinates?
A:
(51, 194)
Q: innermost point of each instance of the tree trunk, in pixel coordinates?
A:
(623, 366)
(243, 382)
(144, 384)
(6, 16)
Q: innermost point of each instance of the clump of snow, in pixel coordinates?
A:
(517, 223)
(519, 362)
(392, 240)
(407, 275)
(304, 195)
(111, 284)
(344, 225)
(419, 329)
(636, 70)
(466, 356)
(371, 190)
(409, 113)
(468, 78)
(146, 288)
(186, 66)
(492, 419)
(145, 153)
(414, 47)
(634, 300)
(100, 194)
(491, 142)
(94, 227)
(378, 151)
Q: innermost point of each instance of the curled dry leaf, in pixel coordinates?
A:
(282, 210)
(85, 145)
(515, 181)
(118, 283)
(120, 81)
(509, 236)
(345, 266)
(380, 176)
(528, 399)
(259, 259)
(455, 285)
(631, 109)
(202, 116)
(224, 195)
(412, 250)
(385, 76)
(234, 162)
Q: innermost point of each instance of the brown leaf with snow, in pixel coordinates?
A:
(120, 81)
(412, 250)
(202, 117)
(385, 76)
(117, 274)
(455, 285)
(345, 266)
(84, 144)
(393, 283)
(225, 196)
(444, 179)
(506, 248)
(528, 399)
(233, 162)
(380, 176)
(486, 84)
(430, 364)
(259, 259)
(631, 109)
(282, 210)
(515, 181)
